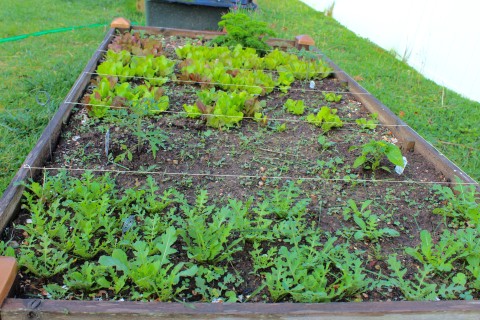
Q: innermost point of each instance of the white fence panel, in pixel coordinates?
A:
(439, 38)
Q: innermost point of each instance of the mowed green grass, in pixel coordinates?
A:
(44, 68)
(51, 63)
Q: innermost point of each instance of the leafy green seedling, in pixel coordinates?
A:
(208, 232)
(287, 202)
(335, 272)
(261, 260)
(421, 286)
(6, 250)
(439, 256)
(374, 151)
(367, 222)
(332, 97)
(326, 118)
(296, 107)
(85, 277)
(48, 262)
(154, 274)
(325, 143)
(369, 124)
(464, 206)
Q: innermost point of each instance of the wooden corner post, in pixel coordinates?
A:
(304, 42)
(120, 23)
(8, 272)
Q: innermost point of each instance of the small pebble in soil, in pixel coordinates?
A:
(260, 183)
(175, 161)
(14, 244)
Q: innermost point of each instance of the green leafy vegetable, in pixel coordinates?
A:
(374, 151)
(295, 106)
(326, 118)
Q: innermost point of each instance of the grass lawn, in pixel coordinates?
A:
(37, 73)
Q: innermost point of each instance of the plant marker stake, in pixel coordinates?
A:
(107, 141)
(128, 223)
(399, 169)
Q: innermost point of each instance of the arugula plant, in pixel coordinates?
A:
(439, 256)
(462, 207)
(374, 151)
(367, 222)
(308, 274)
(153, 274)
(262, 259)
(326, 118)
(56, 292)
(6, 250)
(353, 210)
(208, 232)
(41, 258)
(85, 277)
(286, 202)
(368, 228)
(215, 283)
(421, 286)
(473, 268)
(292, 230)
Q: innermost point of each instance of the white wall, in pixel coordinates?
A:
(439, 38)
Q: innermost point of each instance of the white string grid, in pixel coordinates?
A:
(272, 119)
(243, 69)
(224, 84)
(239, 176)
(227, 116)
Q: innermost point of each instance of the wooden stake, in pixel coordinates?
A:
(120, 23)
(304, 41)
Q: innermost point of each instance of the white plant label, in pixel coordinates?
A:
(399, 169)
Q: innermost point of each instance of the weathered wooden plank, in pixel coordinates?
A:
(207, 35)
(10, 201)
(50, 309)
(401, 130)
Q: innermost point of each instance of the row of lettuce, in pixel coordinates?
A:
(231, 81)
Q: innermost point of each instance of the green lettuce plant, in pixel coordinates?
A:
(326, 118)
(296, 107)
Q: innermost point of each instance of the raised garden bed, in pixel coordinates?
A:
(192, 198)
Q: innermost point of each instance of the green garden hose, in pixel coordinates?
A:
(41, 33)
